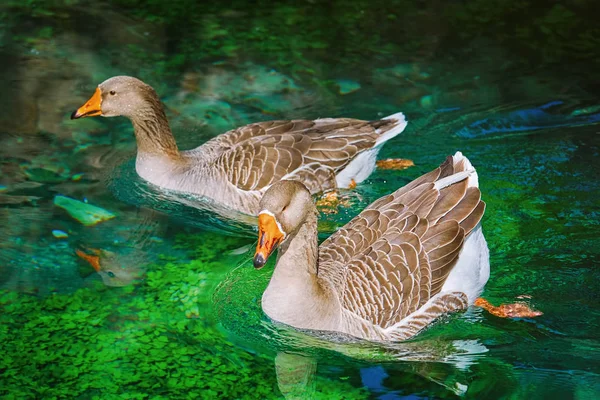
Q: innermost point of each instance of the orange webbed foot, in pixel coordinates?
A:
(395, 163)
(514, 310)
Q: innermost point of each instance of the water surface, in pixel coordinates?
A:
(513, 86)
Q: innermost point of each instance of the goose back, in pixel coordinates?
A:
(395, 256)
(255, 156)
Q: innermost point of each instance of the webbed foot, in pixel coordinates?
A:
(513, 310)
(395, 163)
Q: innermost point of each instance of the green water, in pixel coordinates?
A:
(513, 85)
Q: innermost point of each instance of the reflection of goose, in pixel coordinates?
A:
(296, 375)
(444, 362)
(129, 255)
(115, 269)
(404, 261)
(236, 167)
(447, 363)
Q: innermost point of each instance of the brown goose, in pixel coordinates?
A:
(405, 260)
(236, 167)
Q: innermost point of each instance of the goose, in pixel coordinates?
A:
(407, 259)
(236, 167)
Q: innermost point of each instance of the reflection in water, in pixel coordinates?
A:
(115, 269)
(37, 258)
(427, 358)
(121, 253)
(295, 375)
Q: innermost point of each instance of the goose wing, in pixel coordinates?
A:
(257, 155)
(394, 256)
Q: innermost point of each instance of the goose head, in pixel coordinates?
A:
(118, 96)
(284, 208)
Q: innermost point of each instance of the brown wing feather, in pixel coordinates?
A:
(258, 155)
(395, 255)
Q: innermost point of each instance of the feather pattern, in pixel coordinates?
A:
(246, 161)
(257, 155)
(236, 168)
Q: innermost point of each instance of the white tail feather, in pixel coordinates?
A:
(400, 125)
(469, 172)
(473, 178)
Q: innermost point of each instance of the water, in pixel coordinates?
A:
(513, 86)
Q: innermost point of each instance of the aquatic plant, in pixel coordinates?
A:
(156, 339)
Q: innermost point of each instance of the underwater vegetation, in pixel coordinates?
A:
(128, 342)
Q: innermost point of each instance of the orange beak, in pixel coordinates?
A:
(94, 259)
(270, 235)
(91, 108)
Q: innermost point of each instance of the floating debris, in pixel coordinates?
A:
(85, 213)
(330, 201)
(514, 310)
(395, 163)
(77, 177)
(57, 233)
(346, 86)
(3, 188)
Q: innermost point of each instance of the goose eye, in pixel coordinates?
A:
(111, 274)
(112, 92)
